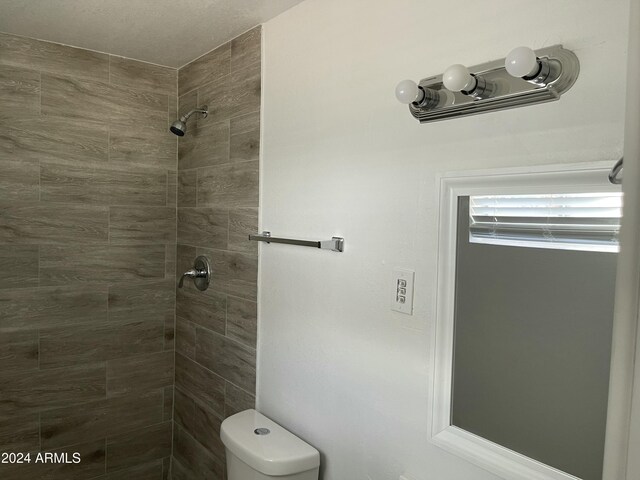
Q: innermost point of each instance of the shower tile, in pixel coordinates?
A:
(242, 223)
(170, 262)
(19, 350)
(94, 138)
(102, 186)
(200, 383)
(236, 94)
(178, 471)
(52, 306)
(141, 301)
(62, 387)
(142, 373)
(65, 140)
(52, 57)
(183, 409)
(245, 123)
(227, 186)
(233, 273)
(237, 400)
(148, 471)
(20, 434)
(19, 92)
(194, 458)
(142, 145)
(129, 73)
(237, 287)
(93, 463)
(217, 95)
(19, 266)
(201, 423)
(144, 225)
(242, 321)
(245, 146)
(139, 447)
(188, 102)
(245, 49)
(64, 265)
(245, 90)
(72, 97)
(134, 108)
(230, 360)
(210, 66)
(203, 226)
(207, 432)
(204, 145)
(185, 337)
(207, 309)
(33, 223)
(80, 344)
(187, 188)
(20, 181)
(112, 416)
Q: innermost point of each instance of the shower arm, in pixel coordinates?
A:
(204, 111)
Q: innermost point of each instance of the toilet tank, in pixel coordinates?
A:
(260, 449)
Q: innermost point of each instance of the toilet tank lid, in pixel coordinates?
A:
(278, 452)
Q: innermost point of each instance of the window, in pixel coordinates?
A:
(570, 221)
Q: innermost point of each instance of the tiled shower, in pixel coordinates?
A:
(100, 208)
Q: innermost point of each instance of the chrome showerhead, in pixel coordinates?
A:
(179, 127)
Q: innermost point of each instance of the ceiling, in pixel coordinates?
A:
(165, 32)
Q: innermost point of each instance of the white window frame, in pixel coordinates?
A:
(588, 177)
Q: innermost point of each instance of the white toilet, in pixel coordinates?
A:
(260, 449)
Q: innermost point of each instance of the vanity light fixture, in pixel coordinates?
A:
(524, 77)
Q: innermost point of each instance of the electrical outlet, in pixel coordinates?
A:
(402, 291)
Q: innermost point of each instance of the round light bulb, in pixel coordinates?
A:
(407, 91)
(457, 78)
(521, 62)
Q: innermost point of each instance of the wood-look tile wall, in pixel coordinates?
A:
(88, 191)
(217, 209)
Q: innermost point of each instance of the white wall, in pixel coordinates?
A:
(342, 157)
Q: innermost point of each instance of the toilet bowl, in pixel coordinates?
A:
(260, 449)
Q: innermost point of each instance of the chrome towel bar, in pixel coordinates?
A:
(336, 244)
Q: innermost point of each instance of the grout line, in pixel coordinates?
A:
(38, 335)
(41, 93)
(224, 396)
(40, 430)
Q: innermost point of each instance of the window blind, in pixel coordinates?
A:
(571, 221)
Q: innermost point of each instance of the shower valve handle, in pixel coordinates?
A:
(193, 273)
(200, 273)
